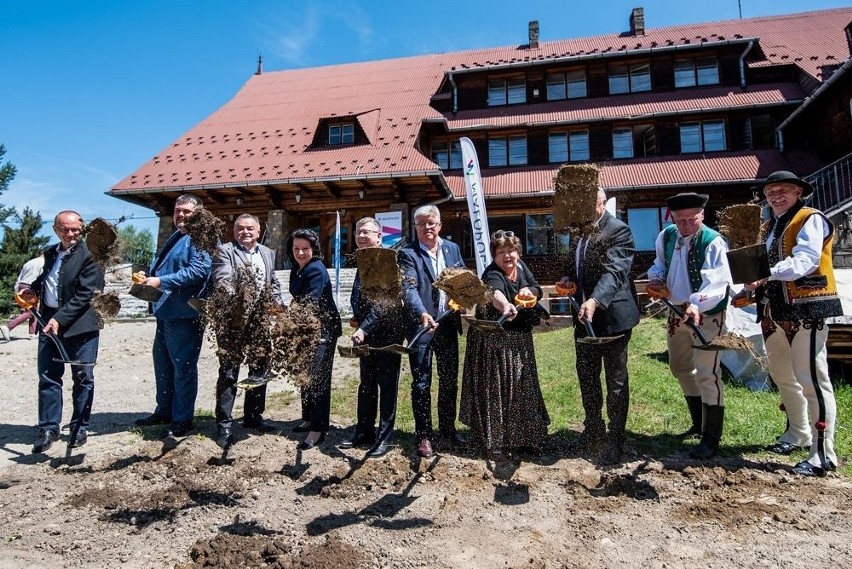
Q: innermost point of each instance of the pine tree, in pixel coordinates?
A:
(17, 247)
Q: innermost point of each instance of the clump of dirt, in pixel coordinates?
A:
(463, 287)
(205, 230)
(249, 326)
(106, 305)
(381, 277)
(731, 341)
(227, 551)
(102, 241)
(575, 195)
(739, 224)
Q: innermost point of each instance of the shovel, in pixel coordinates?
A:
(488, 325)
(30, 304)
(590, 337)
(253, 381)
(705, 345)
(410, 349)
(354, 351)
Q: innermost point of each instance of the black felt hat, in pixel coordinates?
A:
(689, 200)
(783, 176)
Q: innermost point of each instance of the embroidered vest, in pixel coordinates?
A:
(695, 258)
(812, 296)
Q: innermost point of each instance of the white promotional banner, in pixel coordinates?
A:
(476, 205)
(391, 224)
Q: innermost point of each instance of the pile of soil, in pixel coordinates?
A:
(380, 274)
(739, 224)
(731, 341)
(205, 230)
(463, 287)
(102, 241)
(575, 195)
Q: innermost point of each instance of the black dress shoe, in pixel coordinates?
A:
(586, 441)
(224, 438)
(783, 448)
(805, 468)
(358, 440)
(44, 441)
(179, 429)
(454, 438)
(79, 440)
(259, 425)
(304, 445)
(381, 448)
(152, 420)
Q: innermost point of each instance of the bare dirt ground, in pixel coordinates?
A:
(127, 499)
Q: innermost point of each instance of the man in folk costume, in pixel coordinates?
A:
(691, 269)
(794, 301)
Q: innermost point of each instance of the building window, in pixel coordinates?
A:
(633, 78)
(760, 132)
(540, 237)
(507, 91)
(570, 85)
(568, 146)
(692, 72)
(341, 133)
(622, 143)
(646, 223)
(447, 154)
(507, 150)
(707, 136)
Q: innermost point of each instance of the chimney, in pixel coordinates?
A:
(637, 22)
(533, 44)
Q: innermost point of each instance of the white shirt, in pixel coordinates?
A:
(806, 252)
(438, 265)
(51, 281)
(715, 273)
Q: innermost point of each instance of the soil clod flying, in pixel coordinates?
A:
(102, 241)
(575, 196)
(205, 230)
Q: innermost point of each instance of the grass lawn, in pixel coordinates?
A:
(657, 407)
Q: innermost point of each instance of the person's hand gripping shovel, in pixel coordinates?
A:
(569, 289)
(28, 300)
(410, 348)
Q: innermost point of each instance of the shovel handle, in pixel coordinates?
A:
(679, 313)
(589, 330)
(63, 353)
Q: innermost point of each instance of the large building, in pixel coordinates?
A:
(684, 108)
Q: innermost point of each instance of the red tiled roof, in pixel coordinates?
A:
(647, 173)
(263, 135)
(627, 106)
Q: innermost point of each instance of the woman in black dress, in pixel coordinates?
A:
(310, 284)
(501, 399)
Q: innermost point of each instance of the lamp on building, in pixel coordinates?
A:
(361, 193)
(239, 201)
(298, 197)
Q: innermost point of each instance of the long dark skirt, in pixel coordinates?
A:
(501, 399)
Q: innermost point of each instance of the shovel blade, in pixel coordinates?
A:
(74, 362)
(598, 339)
(711, 347)
(485, 325)
(352, 351)
(253, 381)
(394, 349)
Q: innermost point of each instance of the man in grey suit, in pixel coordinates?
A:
(244, 252)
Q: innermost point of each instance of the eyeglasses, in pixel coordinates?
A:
(428, 224)
(366, 231)
(501, 234)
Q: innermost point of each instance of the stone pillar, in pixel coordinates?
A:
(276, 237)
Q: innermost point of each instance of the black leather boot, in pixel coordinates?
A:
(711, 434)
(696, 412)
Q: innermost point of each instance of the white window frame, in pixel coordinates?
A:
(342, 133)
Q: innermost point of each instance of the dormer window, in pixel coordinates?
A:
(692, 72)
(633, 78)
(343, 133)
(509, 91)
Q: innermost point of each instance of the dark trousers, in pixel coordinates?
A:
(377, 393)
(445, 344)
(177, 345)
(83, 348)
(226, 395)
(613, 356)
(316, 397)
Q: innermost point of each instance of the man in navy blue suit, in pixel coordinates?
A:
(180, 271)
(422, 263)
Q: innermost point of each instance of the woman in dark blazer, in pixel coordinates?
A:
(310, 284)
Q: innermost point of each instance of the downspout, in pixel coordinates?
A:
(742, 63)
(455, 92)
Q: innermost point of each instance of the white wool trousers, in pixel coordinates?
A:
(698, 371)
(798, 365)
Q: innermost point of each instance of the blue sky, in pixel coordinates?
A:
(90, 90)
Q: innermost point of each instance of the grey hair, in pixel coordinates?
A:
(367, 220)
(601, 194)
(247, 216)
(428, 210)
(190, 198)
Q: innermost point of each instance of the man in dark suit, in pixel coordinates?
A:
(66, 287)
(377, 324)
(599, 265)
(180, 271)
(243, 253)
(422, 263)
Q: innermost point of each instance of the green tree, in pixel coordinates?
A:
(7, 173)
(135, 246)
(17, 247)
